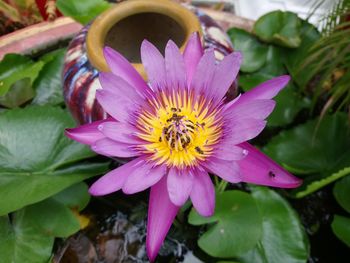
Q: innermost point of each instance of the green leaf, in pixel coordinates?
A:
(20, 93)
(341, 192)
(82, 11)
(21, 67)
(254, 52)
(283, 236)
(36, 159)
(294, 57)
(281, 28)
(308, 148)
(237, 226)
(48, 84)
(341, 228)
(21, 242)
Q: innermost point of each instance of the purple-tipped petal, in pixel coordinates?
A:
(119, 131)
(174, 66)
(243, 130)
(179, 186)
(257, 168)
(227, 170)
(192, 54)
(87, 133)
(266, 90)
(252, 109)
(109, 147)
(154, 64)
(229, 152)
(118, 107)
(203, 76)
(119, 86)
(161, 214)
(203, 193)
(225, 73)
(114, 180)
(122, 68)
(145, 176)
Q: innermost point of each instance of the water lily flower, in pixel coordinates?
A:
(180, 131)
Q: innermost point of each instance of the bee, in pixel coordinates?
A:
(199, 150)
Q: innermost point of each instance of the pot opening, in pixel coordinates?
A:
(127, 35)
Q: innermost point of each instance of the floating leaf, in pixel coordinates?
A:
(48, 84)
(236, 228)
(82, 11)
(341, 192)
(21, 67)
(21, 242)
(341, 228)
(254, 52)
(20, 93)
(36, 159)
(281, 28)
(283, 236)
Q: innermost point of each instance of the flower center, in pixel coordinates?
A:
(178, 130)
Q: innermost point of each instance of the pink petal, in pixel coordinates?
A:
(114, 180)
(122, 68)
(203, 76)
(257, 168)
(154, 64)
(161, 214)
(192, 54)
(179, 186)
(87, 133)
(145, 176)
(118, 107)
(119, 131)
(266, 90)
(225, 73)
(230, 152)
(227, 170)
(253, 109)
(243, 130)
(203, 193)
(118, 86)
(174, 66)
(109, 147)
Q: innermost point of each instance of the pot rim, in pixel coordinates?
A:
(105, 21)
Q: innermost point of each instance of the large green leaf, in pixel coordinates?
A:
(254, 52)
(36, 158)
(341, 192)
(283, 236)
(21, 242)
(82, 11)
(308, 148)
(48, 84)
(21, 91)
(282, 28)
(236, 228)
(15, 67)
(341, 228)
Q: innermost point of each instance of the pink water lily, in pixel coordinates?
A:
(178, 130)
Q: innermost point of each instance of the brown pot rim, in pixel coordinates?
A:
(104, 22)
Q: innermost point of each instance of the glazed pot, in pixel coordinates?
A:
(124, 27)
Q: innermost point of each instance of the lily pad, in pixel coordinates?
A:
(82, 11)
(283, 236)
(236, 225)
(20, 92)
(281, 28)
(341, 193)
(308, 148)
(254, 52)
(341, 228)
(36, 159)
(21, 67)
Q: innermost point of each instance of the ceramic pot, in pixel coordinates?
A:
(123, 27)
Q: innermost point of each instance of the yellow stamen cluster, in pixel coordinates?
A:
(179, 130)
